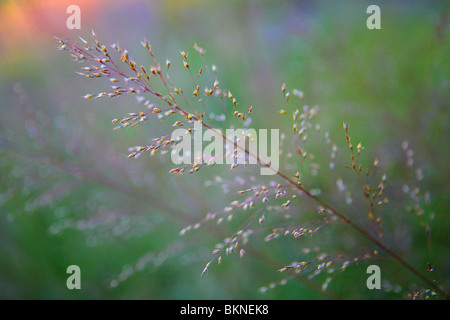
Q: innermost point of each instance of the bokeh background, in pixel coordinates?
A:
(69, 194)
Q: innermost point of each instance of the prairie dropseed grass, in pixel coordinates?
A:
(290, 203)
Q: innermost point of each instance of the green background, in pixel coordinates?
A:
(69, 194)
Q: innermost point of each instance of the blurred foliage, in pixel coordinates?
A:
(69, 195)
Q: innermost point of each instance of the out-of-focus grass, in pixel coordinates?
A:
(390, 85)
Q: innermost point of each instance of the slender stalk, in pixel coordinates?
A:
(347, 220)
(340, 215)
(343, 217)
